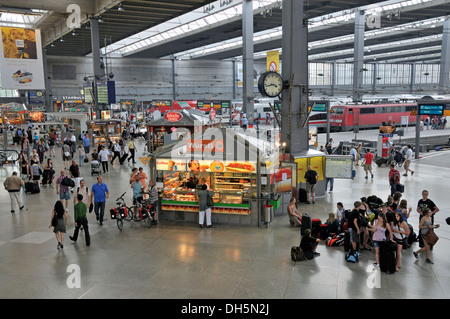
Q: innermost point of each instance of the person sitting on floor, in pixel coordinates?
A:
(309, 245)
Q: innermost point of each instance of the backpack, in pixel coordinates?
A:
(209, 201)
(66, 181)
(396, 177)
(306, 223)
(297, 254)
(352, 256)
(336, 240)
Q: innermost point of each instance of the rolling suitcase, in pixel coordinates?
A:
(123, 158)
(347, 242)
(302, 197)
(387, 257)
(306, 223)
(32, 188)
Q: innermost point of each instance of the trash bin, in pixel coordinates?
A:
(268, 213)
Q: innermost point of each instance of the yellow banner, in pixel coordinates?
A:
(273, 61)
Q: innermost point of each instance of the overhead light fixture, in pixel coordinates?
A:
(120, 8)
(52, 44)
(74, 33)
(62, 39)
(100, 19)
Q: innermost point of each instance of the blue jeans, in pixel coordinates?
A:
(99, 209)
(331, 180)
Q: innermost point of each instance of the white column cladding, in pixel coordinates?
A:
(358, 56)
(247, 54)
(295, 62)
(445, 58)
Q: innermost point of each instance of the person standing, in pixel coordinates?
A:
(311, 178)
(74, 171)
(408, 158)
(132, 148)
(60, 228)
(367, 161)
(379, 229)
(81, 220)
(204, 208)
(63, 190)
(329, 146)
(104, 158)
(394, 178)
(153, 199)
(423, 203)
(13, 184)
(137, 188)
(400, 231)
(35, 171)
(244, 122)
(99, 195)
(143, 178)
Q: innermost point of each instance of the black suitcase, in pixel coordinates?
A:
(306, 223)
(347, 242)
(381, 161)
(32, 187)
(123, 158)
(302, 198)
(388, 251)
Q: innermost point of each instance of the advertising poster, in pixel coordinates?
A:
(21, 63)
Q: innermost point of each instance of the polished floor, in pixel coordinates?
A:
(182, 261)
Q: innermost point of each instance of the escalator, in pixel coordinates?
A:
(8, 157)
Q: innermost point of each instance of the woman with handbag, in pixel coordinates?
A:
(205, 203)
(59, 222)
(426, 228)
(400, 231)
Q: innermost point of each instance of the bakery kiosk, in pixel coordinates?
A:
(227, 164)
(102, 130)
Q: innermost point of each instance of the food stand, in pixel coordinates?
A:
(14, 114)
(102, 130)
(227, 164)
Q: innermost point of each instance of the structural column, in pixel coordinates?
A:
(358, 56)
(174, 81)
(445, 58)
(96, 68)
(247, 54)
(48, 84)
(294, 110)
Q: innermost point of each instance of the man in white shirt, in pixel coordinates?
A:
(409, 155)
(104, 157)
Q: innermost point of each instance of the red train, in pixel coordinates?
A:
(365, 116)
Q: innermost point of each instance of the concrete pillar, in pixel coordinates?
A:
(445, 58)
(358, 56)
(174, 81)
(247, 54)
(413, 77)
(48, 84)
(96, 68)
(294, 110)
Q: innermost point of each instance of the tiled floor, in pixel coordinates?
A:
(179, 261)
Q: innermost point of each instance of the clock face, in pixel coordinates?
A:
(272, 84)
(39, 93)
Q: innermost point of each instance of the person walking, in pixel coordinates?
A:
(81, 220)
(48, 175)
(104, 158)
(394, 178)
(65, 150)
(81, 155)
(86, 143)
(311, 178)
(408, 158)
(116, 150)
(60, 227)
(36, 173)
(426, 229)
(423, 203)
(13, 184)
(99, 195)
(367, 162)
(63, 190)
(132, 149)
(204, 207)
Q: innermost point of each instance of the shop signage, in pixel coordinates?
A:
(170, 165)
(173, 116)
(205, 145)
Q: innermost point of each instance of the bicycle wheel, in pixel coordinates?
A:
(149, 221)
(130, 213)
(119, 222)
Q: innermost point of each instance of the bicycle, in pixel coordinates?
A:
(121, 212)
(144, 212)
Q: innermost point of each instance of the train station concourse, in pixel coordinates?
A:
(191, 132)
